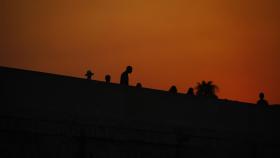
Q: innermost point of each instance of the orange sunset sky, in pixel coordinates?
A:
(235, 43)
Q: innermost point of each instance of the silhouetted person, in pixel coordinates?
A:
(173, 89)
(139, 85)
(190, 92)
(108, 78)
(89, 74)
(262, 102)
(124, 77)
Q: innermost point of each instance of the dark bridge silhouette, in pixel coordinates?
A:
(48, 115)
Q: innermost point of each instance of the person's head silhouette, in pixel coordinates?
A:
(190, 92)
(129, 69)
(173, 89)
(139, 85)
(108, 78)
(261, 95)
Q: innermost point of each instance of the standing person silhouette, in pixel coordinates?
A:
(262, 102)
(107, 78)
(124, 77)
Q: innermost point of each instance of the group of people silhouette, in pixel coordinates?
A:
(124, 80)
(206, 89)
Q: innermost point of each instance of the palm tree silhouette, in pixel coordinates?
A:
(206, 89)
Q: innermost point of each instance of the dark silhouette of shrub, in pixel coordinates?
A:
(89, 74)
(206, 89)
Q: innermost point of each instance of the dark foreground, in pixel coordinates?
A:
(46, 115)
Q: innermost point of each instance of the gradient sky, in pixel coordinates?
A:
(235, 43)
